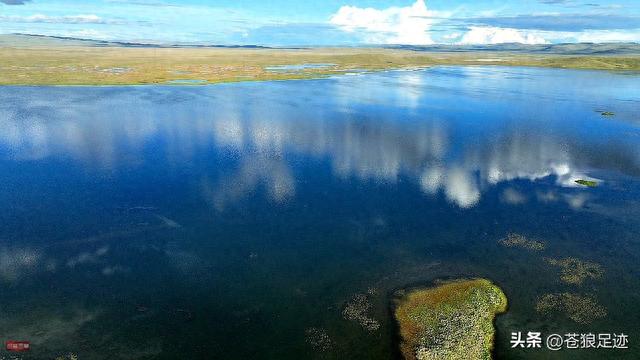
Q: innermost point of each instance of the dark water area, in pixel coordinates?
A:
(223, 222)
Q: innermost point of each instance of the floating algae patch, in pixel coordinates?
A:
(358, 309)
(517, 240)
(582, 309)
(453, 320)
(318, 339)
(588, 183)
(576, 271)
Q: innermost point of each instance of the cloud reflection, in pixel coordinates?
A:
(379, 133)
(15, 262)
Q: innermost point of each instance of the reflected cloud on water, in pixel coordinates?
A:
(370, 132)
(108, 211)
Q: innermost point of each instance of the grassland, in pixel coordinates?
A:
(79, 64)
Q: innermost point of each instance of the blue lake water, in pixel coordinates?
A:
(223, 222)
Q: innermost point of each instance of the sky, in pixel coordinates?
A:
(328, 22)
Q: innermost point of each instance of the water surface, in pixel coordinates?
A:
(222, 221)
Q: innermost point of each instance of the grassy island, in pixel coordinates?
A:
(588, 183)
(453, 320)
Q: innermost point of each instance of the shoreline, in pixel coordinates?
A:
(91, 66)
(318, 77)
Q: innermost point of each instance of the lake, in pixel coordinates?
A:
(235, 221)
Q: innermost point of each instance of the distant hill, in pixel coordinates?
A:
(29, 40)
(44, 40)
(558, 49)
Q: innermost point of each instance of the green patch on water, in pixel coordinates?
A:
(588, 183)
(451, 321)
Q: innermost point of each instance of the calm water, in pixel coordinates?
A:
(220, 222)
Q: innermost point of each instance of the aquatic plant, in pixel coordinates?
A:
(70, 356)
(357, 309)
(318, 339)
(582, 309)
(607, 113)
(453, 320)
(576, 271)
(517, 240)
(589, 183)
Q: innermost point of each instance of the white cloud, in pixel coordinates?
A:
(69, 19)
(603, 36)
(395, 25)
(496, 35)
(452, 36)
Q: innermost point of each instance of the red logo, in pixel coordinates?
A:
(17, 346)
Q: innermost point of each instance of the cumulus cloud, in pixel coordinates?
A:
(559, 22)
(452, 36)
(395, 25)
(605, 36)
(69, 19)
(496, 35)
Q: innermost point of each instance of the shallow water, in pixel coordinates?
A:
(223, 221)
(186, 82)
(297, 67)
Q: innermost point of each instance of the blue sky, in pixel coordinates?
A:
(328, 22)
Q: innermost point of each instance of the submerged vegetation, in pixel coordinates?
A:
(70, 356)
(357, 309)
(318, 339)
(453, 320)
(582, 309)
(589, 183)
(517, 240)
(576, 271)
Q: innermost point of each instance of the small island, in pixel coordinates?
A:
(587, 183)
(453, 320)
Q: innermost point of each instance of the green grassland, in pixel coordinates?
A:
(77, 63)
